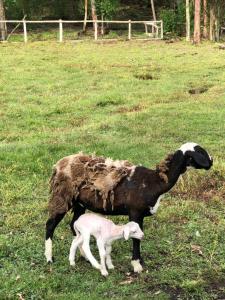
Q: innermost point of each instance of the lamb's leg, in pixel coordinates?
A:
(136, 257)
(87, 251)
(78, 211)
(78, 240)
(102, 253)
(108, 257)
(50, 228)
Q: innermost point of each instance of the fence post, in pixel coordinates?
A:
(129, 30)
(146, 29)
(162, 30)
(157, 31)
(60, 31)
(25, 31)
(96, 30)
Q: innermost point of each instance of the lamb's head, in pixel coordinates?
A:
(196, 156)
(132, 230)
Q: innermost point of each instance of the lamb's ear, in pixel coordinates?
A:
(126, 233)
(199, 158)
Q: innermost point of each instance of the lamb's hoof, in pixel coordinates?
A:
(84, 258)
(104, 273)
(111, 267)
(72, 263)
(137, 266)
(98, 267)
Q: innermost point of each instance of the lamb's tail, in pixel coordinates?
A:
(61, 193)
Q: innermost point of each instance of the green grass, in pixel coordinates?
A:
(57, 99)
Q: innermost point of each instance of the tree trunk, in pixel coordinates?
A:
(217, 23)
(197, 34)
(188, 35)
(102, 26)
(205, 20)
(153, 10)
(93, 12)
(85, 14)
(212, 23)
(3, 29)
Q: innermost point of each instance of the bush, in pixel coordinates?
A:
(174, 19)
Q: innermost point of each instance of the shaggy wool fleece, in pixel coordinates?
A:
(79, 171)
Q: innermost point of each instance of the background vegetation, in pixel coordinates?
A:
(136, 101)
(172, 11)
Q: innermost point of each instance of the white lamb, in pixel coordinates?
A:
(105, 232)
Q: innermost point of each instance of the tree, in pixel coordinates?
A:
(94, 14)
(3, 29)
(205, 20)
(216, 16)
(153, 10)
(85, 14)
(106, 8)
(188, 35)
(212, 19)
(197, 33)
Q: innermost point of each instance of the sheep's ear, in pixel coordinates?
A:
(126, 233)
(199, 159)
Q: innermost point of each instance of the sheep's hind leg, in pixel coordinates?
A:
(50, 228)
(78, 240)
(108, 257)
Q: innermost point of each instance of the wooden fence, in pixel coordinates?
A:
(156, 27)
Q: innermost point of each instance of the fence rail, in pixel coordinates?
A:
(156, 27)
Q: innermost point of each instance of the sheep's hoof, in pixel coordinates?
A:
(50, 261)
(137, 266)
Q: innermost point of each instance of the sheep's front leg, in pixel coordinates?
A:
(78, 211)
(50, 228)
(102, 253)
(108, 257)
(136, 257)
(76, 242)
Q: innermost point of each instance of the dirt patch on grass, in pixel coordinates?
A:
(120, 66)
(198, 90)
(106, 103)
(145, 76)
(215, 283)
(135, 108)
(173, 292)
(77, 122)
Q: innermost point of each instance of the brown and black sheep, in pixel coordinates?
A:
(81, 182)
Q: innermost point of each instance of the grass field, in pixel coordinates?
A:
(127, 101)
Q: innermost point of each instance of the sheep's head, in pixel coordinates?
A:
(133, 230)
(196, 156)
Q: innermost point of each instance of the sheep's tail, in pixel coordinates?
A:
(61, 193)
